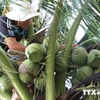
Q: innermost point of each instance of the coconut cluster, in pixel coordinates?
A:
(31, 68)
(84, 63)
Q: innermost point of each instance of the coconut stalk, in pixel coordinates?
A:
(69, 42)
(70, 37)
(13, 76)
(60, 85)
(30, 31)
(50, 81)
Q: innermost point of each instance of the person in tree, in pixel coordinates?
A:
(15, 23)
(14, 26)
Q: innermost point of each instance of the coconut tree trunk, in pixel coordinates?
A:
(50, 81)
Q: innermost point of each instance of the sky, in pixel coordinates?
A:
(80, 32)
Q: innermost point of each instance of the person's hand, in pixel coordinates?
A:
(62, 46)
(15, 95)
(74, 45)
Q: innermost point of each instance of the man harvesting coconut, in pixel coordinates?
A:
(14, 25)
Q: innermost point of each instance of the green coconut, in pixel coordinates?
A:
(40, 83)
(46, 42)
(28, 70)
(79, 56)
(60, 64)
(28, 66)
(5, 84)
(84, 72)
(35, 52)
(94, 58)
(26, 78)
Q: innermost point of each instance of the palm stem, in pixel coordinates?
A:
(71, 36)
(50, 81)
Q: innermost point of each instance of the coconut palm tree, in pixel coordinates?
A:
(63, 13)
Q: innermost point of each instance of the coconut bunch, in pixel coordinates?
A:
(60, 63)
(85, 64)
(81, 57)
(30, 69)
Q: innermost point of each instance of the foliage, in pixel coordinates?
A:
(65, 30)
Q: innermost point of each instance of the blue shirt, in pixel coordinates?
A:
(9, 29)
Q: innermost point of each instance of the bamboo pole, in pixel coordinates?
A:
(50, 81)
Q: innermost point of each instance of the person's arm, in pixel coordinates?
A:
(13, 44)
